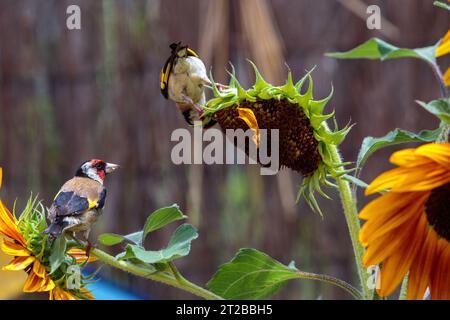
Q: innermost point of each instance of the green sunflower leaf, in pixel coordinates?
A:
(398, 136)
(377, 49)
(112, 239)
(161, 218)
(250, 275)
(440, 108)
(179, 246)
(356, 181)
(58, 254)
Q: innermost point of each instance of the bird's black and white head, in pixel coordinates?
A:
(96, 169)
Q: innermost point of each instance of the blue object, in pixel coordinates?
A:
(105, 290)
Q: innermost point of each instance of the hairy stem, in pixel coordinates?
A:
(443, 137)
(351, 216)
(333, 281)
(440, 78)
(163, 277)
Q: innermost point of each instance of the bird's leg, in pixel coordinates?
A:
(196, 106)
(90, 245)
(219, 86)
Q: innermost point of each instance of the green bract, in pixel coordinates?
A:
(305, 137)
(51, 254)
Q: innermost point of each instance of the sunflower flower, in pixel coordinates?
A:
(441, 50)
(304, 136)
(408, 228)
(28, 247)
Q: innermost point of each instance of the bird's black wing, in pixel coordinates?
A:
(102, 200)
(68, 203)
(164, 76)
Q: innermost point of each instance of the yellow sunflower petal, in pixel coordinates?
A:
(66, 295)
(420, 178)
(87, 294)
(19, 263)
(33, 283)
(440, 282)
(419, 276)
(14, 249)
(386, 204)
(60, 294)
(446, 78)
(39, 269)
(444, 47)
(397, 265)
(249, 117)
(8, 225)
(384, 247)
(55, 294)
(438, 152)
(380, 225)
(408, 158)
(394, 230)
(80, 255)
(48, 285)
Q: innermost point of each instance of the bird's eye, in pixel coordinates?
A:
(98, 166)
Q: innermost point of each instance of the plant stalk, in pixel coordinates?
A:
(443, 137)
(351, 216)
(332, 280)
(158, 276)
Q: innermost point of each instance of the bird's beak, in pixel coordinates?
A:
(111, 167)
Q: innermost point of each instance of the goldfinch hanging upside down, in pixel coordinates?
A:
(183, 79)
(80, 201)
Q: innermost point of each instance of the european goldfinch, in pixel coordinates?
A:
(183, 79)
(80, 200)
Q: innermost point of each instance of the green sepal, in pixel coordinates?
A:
(317, 107)
(241, 93)
(304, 99)
(289, 88)
(300, 82)
(317, 119)
(260, 83)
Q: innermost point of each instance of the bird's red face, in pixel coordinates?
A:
(96, 169)
(100, 167)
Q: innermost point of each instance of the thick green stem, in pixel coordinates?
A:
(162, 277)
(351, 216)
(443, 137)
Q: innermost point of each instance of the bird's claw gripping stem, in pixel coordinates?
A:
(89, 247)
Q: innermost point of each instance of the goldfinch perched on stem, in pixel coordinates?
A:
(80, 201)
(183, 79)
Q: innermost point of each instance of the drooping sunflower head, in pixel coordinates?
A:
(32, 253)
(304, 136)
(408, 227)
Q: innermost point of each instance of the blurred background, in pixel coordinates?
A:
(67, 96)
